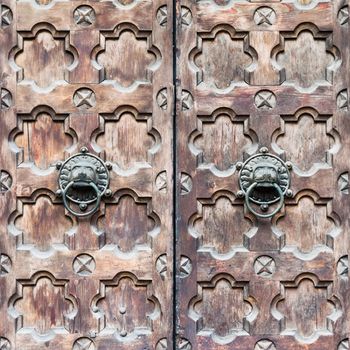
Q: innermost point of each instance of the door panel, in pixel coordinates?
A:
(254, 75)
(97, 75)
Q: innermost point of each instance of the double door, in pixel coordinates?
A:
(174, 175)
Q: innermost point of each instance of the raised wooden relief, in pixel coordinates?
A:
(83, 77)
(268, 77)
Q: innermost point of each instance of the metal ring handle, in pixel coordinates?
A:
(264, 216)
(90, 212)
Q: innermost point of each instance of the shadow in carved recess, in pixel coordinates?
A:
(125, 307)
(225, 297)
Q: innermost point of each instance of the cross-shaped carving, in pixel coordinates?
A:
(264, 266)
(265, 345)
(6, 99)
(84, 15)
(265, 99)
(5, 181)
(84, 344)
(343, 15)
(84, 265)
(5, 265)
(85, 98)
(4, 344)
(265, 15)
(6, 16)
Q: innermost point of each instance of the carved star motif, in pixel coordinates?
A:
(6, 16)
(187, 100)
(162, 99)
(161, 265)
(84, 344)
(344, 183)
(342, 100)
(265, 15)
(343, 266)
(265, 100)
(162, 182)
(84, 265)
(186, 16)
(4, 344)
(186, 183)
(6, 99)
(5, 181)
(264, 266)
(343, 15)
(5, 265)
(84, 15)
(185, 266)
(84, 98)
(344, 345)
(265, 345)
(162, 16)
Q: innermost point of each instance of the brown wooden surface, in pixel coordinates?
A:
(103, 282)
(252, 74)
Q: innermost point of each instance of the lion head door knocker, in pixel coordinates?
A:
(264, 180)
(83, 180)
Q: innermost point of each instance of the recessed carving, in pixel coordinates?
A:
(343, 15)
(84, 344)
(228, 298)
(265, 344)
(343, 267)
(5, 265)
(126, 56)
(264, 266)
(36, 235)
(343, 345)
(307, 44)
(185, 266)
(6, 17)
(220, 225)
(161, 265)
(162, 99)
(265, 100)
(186, 100)
(51, 51)
(43, 306)
(125, 307)
(213, 52)
(221, 140)
(42, 138)
(162, 344)
(128, 224)
(306, 308)
(162, 16)
(183, 344)
(185, 184)
(84, 265)
(186, 16)
(343, 183)
(84, 15)
(265, 16)
(4, 344)
(5, 99)
(5, 181)
(308, 130)
(310, 233)
(121, 128)
(343, 100)
(162, 182)
(84, 98)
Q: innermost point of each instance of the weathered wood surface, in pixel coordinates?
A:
(252, 74)
(103, 282)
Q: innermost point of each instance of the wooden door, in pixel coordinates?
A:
(263, 76)
(93, 74)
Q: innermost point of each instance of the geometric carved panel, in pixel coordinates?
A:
(221, 140)
(315, 229)
(128, 225)
(306, 308)
(308, 139)
(220, 226)
(127, 127)
(125, 307)
(48, 48)
(225, 297)
(221, 58)
(309, 45)
(126, 57)
(39, 236)
(39, 318)
(42, 139)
